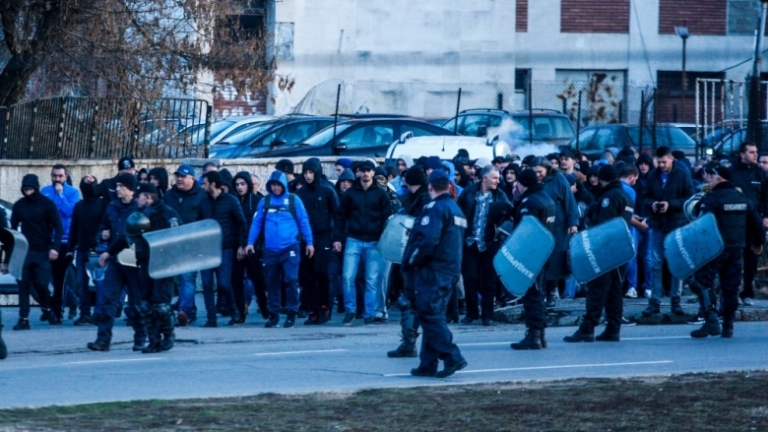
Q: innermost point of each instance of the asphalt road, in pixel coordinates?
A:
(51, 366)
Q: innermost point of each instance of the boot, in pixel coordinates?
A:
(3, 348)
(543, 339)
(711, 326)
(580, 336)
(676, 308)
(408, 347)
(167, 324)
(727, 329)
(532, 341)
(653, 308)
(237, 318)
(152, 324)
(23, 324)
(608, 335)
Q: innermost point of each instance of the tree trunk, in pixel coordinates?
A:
(14, 79)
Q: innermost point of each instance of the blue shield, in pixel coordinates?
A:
(689, 248)
(600, 249)
(523, 255)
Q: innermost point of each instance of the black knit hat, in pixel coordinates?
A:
(528, 178)
(415, 176)
(607, 174)
(127, 180)
(284, 165)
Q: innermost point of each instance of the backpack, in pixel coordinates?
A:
(291, 208)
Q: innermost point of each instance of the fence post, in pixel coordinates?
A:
(565, 106)
(94, 119)
(62, 119)
(653, 132)
(135, 116)
(578, 122)
(530, 113)
(336, 113)
(31, 149)
(642, 121)
(500, 101)
(458, 107)
(207, 136)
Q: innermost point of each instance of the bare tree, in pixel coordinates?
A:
(126, 49)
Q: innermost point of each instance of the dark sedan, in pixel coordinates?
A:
(358, 137)
(593, 141)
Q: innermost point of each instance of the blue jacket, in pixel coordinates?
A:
(114, 220)
(280, 228)
(65, 203)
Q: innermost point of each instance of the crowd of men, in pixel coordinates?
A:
(307, 246)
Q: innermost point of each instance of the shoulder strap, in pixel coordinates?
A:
(264, 209)
(292, 209)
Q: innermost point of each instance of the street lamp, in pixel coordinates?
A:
(684, 35)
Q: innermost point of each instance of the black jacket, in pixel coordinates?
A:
(322, 204)
(753, 182)
(162, 176)
(676, 191)
(114, 220)
(499, 211)
(250, 201)
(436, 238)
(227, 212)
(186, 203)
(566, 209)
(413, 203)
(363, 213)
(108, 191)
(84, 229)
(160, 217)
(537, 203)
(612, 204)
(39, 218)
(737, 219)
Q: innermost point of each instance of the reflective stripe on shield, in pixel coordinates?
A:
(689, 248)
(600, 249)
(18, 246)
(184, 249)
(523, 255)
(392, 243)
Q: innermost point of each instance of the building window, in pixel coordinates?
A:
(702, 17)
(743, 16)
(594, 16)
(521, 16)
(522, 78)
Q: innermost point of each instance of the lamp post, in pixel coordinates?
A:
(684, 34)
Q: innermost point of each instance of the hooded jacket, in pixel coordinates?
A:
(320, 201)
(86, 217)
(39, 218)
(399, 182)
(186, 203)
(250, 201)
(753, 183)
(226, 210)
(162, 176)
(363, 213)
(65, 203)
(281, 229)
(642, 181)
(347, 174)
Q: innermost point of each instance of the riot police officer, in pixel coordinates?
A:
(605, 291)
(739, 223)
(534, 201)
(431, 264)
(3, 348)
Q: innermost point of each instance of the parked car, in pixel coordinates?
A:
(548, 125)
(725, 144)
(267, 136)
(220, 129)
(357, 137)
(688, 128)
(446, 147)
(593, 141)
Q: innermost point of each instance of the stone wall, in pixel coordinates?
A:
(12, 171)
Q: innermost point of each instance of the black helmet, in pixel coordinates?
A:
(136, 224)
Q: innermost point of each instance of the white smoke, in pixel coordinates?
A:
(513, 134)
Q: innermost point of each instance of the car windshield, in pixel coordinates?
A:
(246, 135)
(325, 135)
(198, 131)
(546, 128)
(665, 136)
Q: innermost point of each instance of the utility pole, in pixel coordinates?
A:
(754, 122)
(684, 35)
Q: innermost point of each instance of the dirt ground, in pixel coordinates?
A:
(735, 401)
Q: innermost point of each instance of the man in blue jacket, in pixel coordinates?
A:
(65, 197)
(282, 222)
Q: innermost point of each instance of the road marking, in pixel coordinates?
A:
(300, 352)
(551, 367)
(483, 344)
(115, 361)
(654, 338)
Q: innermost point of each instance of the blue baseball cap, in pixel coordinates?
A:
(185, 170)
(439, 177)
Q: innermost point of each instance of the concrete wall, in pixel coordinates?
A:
(12, 171)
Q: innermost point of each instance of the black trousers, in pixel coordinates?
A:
(116, 277)
(251, 266)
(728, 267)
(154, 291)
(605, 292)
(750, 270)
(36, 275)
(59, 273)
(313, 275)
(431, 292)
(479, 278)
(533, 304)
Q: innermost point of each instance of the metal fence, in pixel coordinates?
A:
(80, 127)
(722, 107)
(586, 102)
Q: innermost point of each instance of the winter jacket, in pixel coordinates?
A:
(677, 189)
(39, 218)
(738, 221)
(413, 203)
(363, 213)
(186, 203)
(536, 202)
(250, 201)
(281, 229)
(321, 203)
(65, 203)
(162, 176)
(114, 220)
(753, 182)
(436, 238)
(500, 210)
(226, 210)
(160, 217)
(84, 230)
(612, 204)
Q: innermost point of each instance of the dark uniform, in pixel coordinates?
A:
(605, 291)
(739, 224)
(537, 203)
(431, 267)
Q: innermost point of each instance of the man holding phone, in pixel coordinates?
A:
(667, 189)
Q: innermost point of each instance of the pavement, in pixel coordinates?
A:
(50, 365)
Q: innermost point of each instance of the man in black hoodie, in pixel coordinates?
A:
(159, 177)
(41, 225)
(321, 203)
(250, 264)
(83, 232)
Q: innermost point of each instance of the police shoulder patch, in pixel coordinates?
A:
(606, 202)
(425, 220)
(460, 221)
(430, 205)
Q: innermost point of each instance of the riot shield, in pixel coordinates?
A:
(391, 246)
(188, 248)
(523, 255)
(600, 249)
(127, 257)
(18, 248)
(689, 248)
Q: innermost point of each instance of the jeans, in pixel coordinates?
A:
(224, 281)
(631, 273)
(354, 251)
(187, 288)
(382, 290)
(656, 261)
(571, 287)
(644, 258)
(282, 267)
(81, 261)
